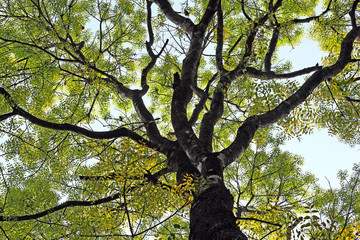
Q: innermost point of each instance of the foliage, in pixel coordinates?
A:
(93, 97)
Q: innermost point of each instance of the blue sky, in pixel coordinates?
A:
(323, 155)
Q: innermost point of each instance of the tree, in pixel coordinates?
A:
(103, 102)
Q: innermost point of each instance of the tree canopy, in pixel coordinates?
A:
(152, 119)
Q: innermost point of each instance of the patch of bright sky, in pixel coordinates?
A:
(323, 154)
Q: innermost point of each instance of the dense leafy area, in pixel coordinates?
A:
(89, 124)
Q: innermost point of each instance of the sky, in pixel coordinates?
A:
(323, 154)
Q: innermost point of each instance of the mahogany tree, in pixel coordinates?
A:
(103, 102)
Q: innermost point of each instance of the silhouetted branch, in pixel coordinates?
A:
(183, 88)
(148, 177)
(220, 39)
(64, 205)
(203, 98)
(149, 44)
(271, 49)
(352, 13)
(352, 100)
(333, 98)
(252, 72)
(309, 19)
(7, 115)
(119, 132)
(244, 12)
(247, 130)
(173, 16)
(266, 222)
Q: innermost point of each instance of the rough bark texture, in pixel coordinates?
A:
(211, 216)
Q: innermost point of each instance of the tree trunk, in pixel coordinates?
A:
(212, 217)
(211, 214)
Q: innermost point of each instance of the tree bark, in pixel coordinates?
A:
(212, 217)
(211, 214)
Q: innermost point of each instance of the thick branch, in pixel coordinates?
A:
(7, 115)
(254, 73)
(244, 12)
(183, 130)
(216, 109)
(272, 47)
(247, 130)
(119, 132)
(6, 95)
(242, 140)
(142, 111)
(315, 79)
(210, 11)
(217, 104)
(200, 106)
(136, 95)
(64, 205)
(150, 124)
(352, 13)
(183, 88)
(148, 22)
(214, 114)
(139, 105)
(220, 39)
(173, 16)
